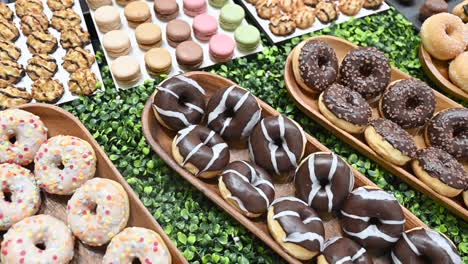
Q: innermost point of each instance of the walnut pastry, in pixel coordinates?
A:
(66, 18)
(9, 51)
(268, 8)
(34, 22)
(82, 82)
(77, 58)
(311, 3)
(12, 96)
(282, 24)
(304, 18)
(74, 37)
(326, 11)
(10, 72)
(372, 4)
(289, 6)
(41, 42)
(56, 5)
(25, 7)
(350, 7)
(41, 65)
(5, 12)
(47, 90)
(8, 30)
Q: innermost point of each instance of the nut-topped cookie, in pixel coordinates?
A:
(326, 11)
(56, 5)
(9, 51)
(268, 8)
(47, 90)
(65, 18)
(41, 66)
(10, 72)
(77, 58)
(34, 22)
(12, 96)
(282, 24)
(25, 7)
(5, 12)
(82, 82)
(41, 42)
(304, 17)
(74, 37)
(8, 30)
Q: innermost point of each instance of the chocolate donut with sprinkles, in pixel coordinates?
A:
(315, 65)
(247, 187)
(342, 250)
(420, 245)
(201, 151)
(296, 227)
(448, 130)
(373, 218)
(179, 102)
(324, 180)
(233, 113)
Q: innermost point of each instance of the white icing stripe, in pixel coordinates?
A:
(273, 147)
(239, 202)
(227, 122)
(192, 82)
(237, 174)
(241, 102)
(313, 179)
(311, 219)
(291, 156)
(358, 254)
(162, 89)
(411, 245)
(374, 194)
(173, 114)
(221, 107)
(444, 244)
(251, 124)
(329, 197)
(183, 133)
(330, 242)
(395, 259)
(298, 237)
(251, 154)
(192, 152)
(288, 198)
(372, 231)
(286, 213)
(392, 222)
(343, 260)
(366, 219)
(217, 149)
(256, 179)
(351, 180)
(194, 107)
(331, 174)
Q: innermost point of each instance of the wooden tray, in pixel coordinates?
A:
(160, 140)
(437, 71)
(308, 104)
(60, 122)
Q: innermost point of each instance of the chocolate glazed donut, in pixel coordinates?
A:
(373, 218)
(179, 103)
(448, 130)
(296, 227)
(421, 245)
(233, 113)
(200, 150)
(248, 187)
(342, 250)
(277, 144)
(324, 180)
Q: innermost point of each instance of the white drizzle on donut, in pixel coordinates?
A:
(395, 259)
(184, 132)
(217, 149)
(367, 219)
(372, 231)
(374, 194)
(189, 105)
(297, 237)
(191, 82)
(288, 198)
(444, 244)
(173, 114)
(196, 148)
(411, 245)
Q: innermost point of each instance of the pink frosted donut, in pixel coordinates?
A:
(21, 135)
(19, 195)
(63, 164)
(38, 239)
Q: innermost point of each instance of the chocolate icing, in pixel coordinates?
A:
(409, 103)
(396, 136)
(203, 148)
(301, 223)
(347, 104)
(366, 70)
(343, 250)
(277, 144)
(318, 65)
(324, 180)
(420, 246)
(448, 130)
(180, 102)
(373, 218)
(250, 186)
(233, 113)
(443, 166)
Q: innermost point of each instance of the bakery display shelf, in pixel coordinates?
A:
(161, 139)
(308, 103)
(60, 122)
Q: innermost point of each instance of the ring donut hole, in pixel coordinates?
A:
(41, 245)
(365, 70)
(7, 195)
(12, 138)
(412, 103)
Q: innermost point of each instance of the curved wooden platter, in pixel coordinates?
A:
(60, 122)
(161, 138)
(437, 71)
(308, 103)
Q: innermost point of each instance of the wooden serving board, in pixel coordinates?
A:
(161, 138)
(308, 103)
(60, 122)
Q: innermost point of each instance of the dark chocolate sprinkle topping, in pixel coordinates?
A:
(395, 135)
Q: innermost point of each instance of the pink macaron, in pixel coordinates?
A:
(204, 26)
(222, 47)
(194, 7)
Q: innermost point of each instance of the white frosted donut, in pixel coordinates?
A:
(38, 239)
(21, 135)
(24, 198)
(137, 243)
(97, 211)
(63, 164)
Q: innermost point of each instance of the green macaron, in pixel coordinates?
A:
(217, 3)
(231, 16)
(247, 38)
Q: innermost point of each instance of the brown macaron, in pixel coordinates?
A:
(178, 31)
(148, 36)
(189, 54)
(158, 61)
(166, 10)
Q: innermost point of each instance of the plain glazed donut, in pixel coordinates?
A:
(296, 227)
(24, 199)
(420, 245)
(457, 70)
(373, 218)
(343, 250)
(137, 243)
(247, 187)
(26, 130)
(324, 180)
(22, 243)
(233, 113)
(315, 65)
(201, 151)
(444, 36)
(179, 102)
(64, 163)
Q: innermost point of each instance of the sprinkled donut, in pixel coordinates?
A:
(420, 245)
(97, 211)
(341, 250)
(24, 241)
(179, 103)
(324, 180)
(373, 218)
(137, 243)
(24, 200)
(277, 144)
(21, 135)
(201, 151)
(64, 163)
(296, 227)
(233, 113)
(248, 187)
